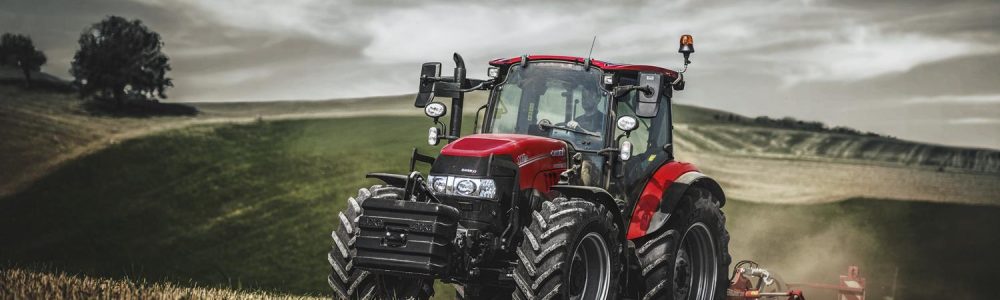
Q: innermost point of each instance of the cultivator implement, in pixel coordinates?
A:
(750, 281)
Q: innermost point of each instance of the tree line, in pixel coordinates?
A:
(793, 123)
(118, 61)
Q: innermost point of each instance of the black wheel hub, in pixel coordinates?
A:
(590, 269)
(695, 266)
(682, 275)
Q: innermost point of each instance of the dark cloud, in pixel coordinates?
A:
(859, 63)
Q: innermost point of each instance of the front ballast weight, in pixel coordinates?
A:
(408, 238)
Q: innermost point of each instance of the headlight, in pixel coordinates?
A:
(466, 187)
(439, 184)
(487, 189)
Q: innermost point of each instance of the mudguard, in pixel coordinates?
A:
(663, 193)
(397, 180)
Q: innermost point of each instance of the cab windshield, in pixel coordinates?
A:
(551, 99)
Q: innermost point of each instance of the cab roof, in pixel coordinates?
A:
(603, 65)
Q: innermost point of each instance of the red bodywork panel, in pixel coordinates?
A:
(652, 195)
(597, 63)
(532, 154)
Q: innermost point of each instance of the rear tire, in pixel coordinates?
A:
(571, 250)
(350, 283)
(690, 258)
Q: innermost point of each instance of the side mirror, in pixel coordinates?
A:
(426, 92)
(649, 98)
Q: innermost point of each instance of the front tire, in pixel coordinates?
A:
(689, 260)
(571, 250)
(350, 283)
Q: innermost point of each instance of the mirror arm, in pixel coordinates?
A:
(444, 128)
(624, 89)
(481, 86)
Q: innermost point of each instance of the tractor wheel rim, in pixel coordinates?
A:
(590, 269)
(695, 266)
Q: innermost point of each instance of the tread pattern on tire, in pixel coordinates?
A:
(548, 241)
(346, 281)
(656, 254)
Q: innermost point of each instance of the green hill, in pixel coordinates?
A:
(251, 205)
(43, 128)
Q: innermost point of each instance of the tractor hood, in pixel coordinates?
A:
(533, 155)
(522, 148)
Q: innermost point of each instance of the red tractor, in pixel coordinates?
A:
(569, 191)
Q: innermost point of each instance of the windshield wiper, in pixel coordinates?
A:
(545, 124)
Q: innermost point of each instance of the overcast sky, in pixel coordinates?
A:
(915, 69)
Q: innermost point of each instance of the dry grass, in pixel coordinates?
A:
(23, 284)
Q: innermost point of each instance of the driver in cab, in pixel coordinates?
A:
(592, 120)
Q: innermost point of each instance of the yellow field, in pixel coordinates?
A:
(23, 284)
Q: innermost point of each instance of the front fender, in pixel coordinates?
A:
(662, 195)
(397, 180)
(590, 193)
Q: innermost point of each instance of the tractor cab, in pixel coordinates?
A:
(615, 119)
(591, 105)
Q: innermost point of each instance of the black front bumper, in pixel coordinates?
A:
(406, 237)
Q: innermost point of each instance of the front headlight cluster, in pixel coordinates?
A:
(460, 186)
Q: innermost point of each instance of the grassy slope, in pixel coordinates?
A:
(238, 203)
(42, 128)
(251, 205)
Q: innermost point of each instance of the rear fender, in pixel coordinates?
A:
(663, 194)
(594, 194)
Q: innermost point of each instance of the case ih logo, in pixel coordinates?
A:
(558, 152)
(521, 159)
(473, 171)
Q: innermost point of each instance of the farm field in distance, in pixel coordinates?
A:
(241, 203)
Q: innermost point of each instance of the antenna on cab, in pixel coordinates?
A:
(586, 63)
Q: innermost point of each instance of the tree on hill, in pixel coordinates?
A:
(121, 60)
(19, 51)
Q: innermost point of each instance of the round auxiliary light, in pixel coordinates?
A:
(439, 184)
(465, 187)
(627, 123)
(626, 151)
(433, 136)
(435, 109)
